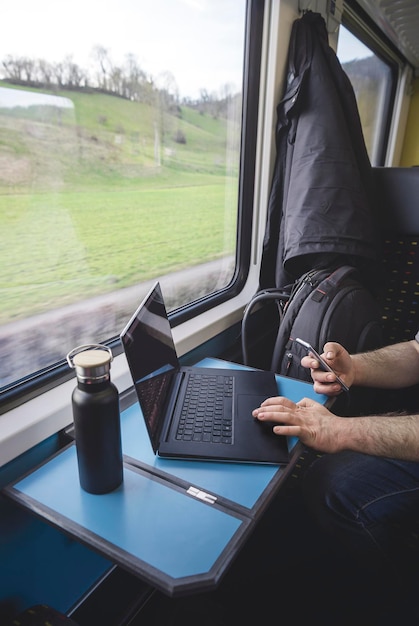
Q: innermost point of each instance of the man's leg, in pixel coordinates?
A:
(365, 504)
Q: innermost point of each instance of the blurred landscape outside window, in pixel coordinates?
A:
(119, 152)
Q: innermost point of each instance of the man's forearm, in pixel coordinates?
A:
(395, 436)
(392, 367)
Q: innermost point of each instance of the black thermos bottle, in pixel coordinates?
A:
(97, 425)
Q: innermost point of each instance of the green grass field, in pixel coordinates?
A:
(101, 197)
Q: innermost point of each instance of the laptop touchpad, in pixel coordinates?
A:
(247, 404)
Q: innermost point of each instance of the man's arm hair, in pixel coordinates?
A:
(392, 435)
(392, 367)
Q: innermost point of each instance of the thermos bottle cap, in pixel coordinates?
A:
(91, 362)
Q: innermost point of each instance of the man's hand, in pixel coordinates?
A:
(339, 360)
(308, 420)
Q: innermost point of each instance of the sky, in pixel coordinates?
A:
(350, 48)
(200, 42)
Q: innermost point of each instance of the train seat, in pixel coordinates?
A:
(397, 190)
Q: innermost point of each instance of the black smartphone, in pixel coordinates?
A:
(322, 362)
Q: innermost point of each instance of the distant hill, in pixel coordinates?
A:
(107, 139)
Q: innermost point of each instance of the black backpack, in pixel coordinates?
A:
(322, 305)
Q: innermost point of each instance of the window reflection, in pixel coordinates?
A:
(371, 80)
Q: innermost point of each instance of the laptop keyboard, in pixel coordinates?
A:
(206, 414)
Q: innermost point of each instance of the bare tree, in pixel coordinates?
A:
(58, 70)
(101, 55)
(28, 67)
(75, 76)
(116, 80)
(134, 79)
(45, 72)
(169, 88)
(13, 68)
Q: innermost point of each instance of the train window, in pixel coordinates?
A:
(372, 79)
(120, 159)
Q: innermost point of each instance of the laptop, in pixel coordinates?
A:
(196, 412)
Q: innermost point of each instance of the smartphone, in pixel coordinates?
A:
(322, 362)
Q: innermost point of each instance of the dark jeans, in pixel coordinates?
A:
(366, 502)
(336, 548)
(369, 506)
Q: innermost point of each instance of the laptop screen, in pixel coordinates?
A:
(151, 354)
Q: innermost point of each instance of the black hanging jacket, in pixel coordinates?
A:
(321, 200)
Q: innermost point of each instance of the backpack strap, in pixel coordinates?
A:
(281, 296)
(332, 281)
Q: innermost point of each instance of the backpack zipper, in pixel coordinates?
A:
(288, 363)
